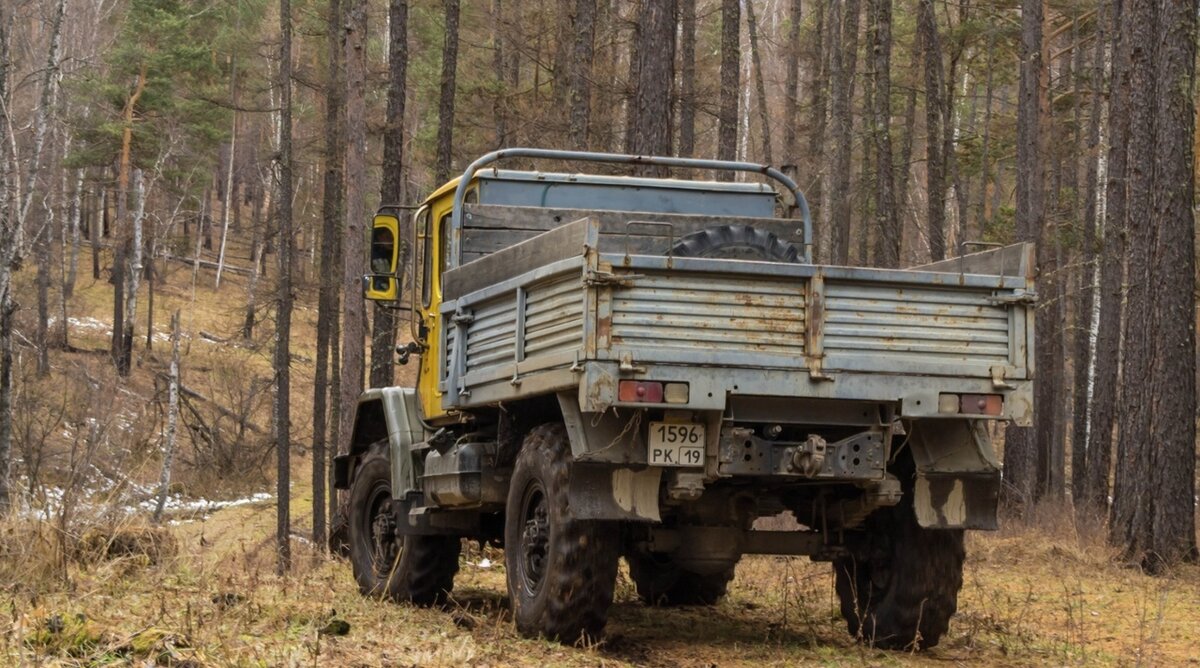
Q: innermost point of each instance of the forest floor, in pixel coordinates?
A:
(202, 591)
(208, 595)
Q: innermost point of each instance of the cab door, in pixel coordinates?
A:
(434, 237)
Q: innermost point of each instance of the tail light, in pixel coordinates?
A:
(971, 404)
(652, 392)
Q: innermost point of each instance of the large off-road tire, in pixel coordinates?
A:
(901, 591)
(736, 242)
(416, 569)
(662, 582)
(561, 570)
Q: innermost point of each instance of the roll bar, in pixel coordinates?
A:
(460, 193)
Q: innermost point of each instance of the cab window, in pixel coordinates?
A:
(426, 252)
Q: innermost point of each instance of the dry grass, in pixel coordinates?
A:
(1029, 598)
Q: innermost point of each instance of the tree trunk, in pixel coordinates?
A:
(283, 316)
(981, 216)
(10, 245)
(1108, 336)
(887, 220)
(845, 60)
(75, 224)
(172, 420)
(42, 255)
(1131, 525)
(98, 221)
(727, 116)
(353, 235)
(331, 266)
(760, 87)
(500, 71)
(228, 201)
(935, 163)
(580, 93)
(687, 77)
(1085, 297)
(818, 87)
(1021, 445)
(445, 133)
(133, 272)
(1172, 480)
(383, 334)
(256, 225)
(125, 243)
(791, 102)
(655, 72)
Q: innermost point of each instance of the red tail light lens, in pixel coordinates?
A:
(640, 391)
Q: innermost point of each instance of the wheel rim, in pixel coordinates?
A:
(535, 538)
(381, 532)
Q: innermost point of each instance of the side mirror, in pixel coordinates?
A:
(382, 283)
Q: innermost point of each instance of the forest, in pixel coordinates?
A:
(186, 188)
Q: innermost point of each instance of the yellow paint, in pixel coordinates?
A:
(440, 206)
(387, 224)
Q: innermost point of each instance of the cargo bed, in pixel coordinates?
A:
(581, 306)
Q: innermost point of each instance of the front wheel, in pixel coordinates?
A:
(417, 569)
(901, 591)
(561, 570)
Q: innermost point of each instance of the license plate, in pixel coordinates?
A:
(676, 444)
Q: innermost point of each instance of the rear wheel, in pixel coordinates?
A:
(660, 581)
(561, 570)
(902, 589)
(419, 569)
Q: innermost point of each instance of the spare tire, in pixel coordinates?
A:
(736, 242)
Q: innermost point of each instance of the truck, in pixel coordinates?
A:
(640, 367)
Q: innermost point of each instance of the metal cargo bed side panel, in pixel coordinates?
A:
(522, 333)
(936, 330)
(709, 318)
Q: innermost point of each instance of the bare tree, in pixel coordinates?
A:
(383, 334)
(651, 115)
(791, 100)
(1020, 444)
(353, 232)
(844, 60)
(727, 116)
(687, 76)
(331, 266)
(172, 420)
(935, 164)
(580, 92)
(887, 219)
(1108, 336)
(445, 133)
(1171, 487)
(11, 243)
(760, 87)
(283, 316)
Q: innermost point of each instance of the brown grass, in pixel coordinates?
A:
(1030, 597)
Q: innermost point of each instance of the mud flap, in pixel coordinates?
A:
(958, 475)
(957, 500)
(608, 493)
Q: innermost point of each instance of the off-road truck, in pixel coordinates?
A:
(614, 367)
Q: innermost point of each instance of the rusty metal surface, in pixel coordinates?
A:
(662, 317)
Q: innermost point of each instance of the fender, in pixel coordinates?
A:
(958, 475)
(390, 413)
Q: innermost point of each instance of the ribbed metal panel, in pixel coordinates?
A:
(709, 312)
(915, 325)
(554, 316)
(491, 335)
